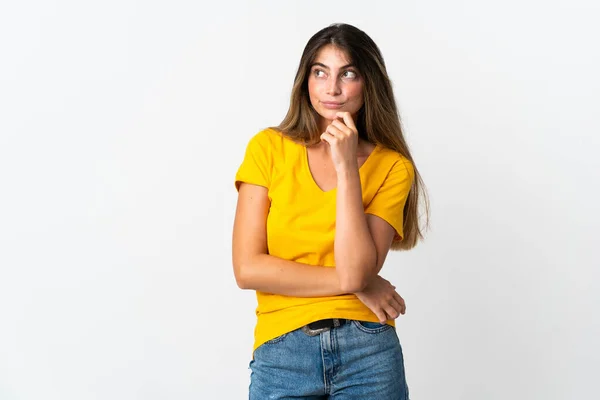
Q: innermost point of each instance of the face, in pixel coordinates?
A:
(334, 85)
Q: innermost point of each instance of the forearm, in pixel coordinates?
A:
(355, 251)
(275, 275)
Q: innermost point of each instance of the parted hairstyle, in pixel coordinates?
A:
(378, 120)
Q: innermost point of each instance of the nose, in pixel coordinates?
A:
(333, 86)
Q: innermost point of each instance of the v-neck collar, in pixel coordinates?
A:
(311, 177)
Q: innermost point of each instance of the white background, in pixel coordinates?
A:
(122, 125)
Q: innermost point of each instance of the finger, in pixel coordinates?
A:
(381, 316)
(387, 318)
(399, 298)
(397, 305)
(326, 137)
(400, 301)
(347, 117)
(335, 131)
(343, 128)
(391, 312)
(329, 134)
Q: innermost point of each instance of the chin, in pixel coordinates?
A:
(329, 114)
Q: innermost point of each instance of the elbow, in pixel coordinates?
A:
(247, 270)
(240, 270)
(352, 285)
(240, 282)
(353, 282)
(355, 278)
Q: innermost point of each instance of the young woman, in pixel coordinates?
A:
(321, 200)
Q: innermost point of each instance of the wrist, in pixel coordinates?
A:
(347, 172)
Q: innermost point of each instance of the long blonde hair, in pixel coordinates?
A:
(378, 121)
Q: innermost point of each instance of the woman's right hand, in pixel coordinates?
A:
(380, 296)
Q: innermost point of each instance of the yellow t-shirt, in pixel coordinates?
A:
(301, 223)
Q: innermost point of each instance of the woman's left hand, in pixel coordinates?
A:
(381, 298)
(343, 141)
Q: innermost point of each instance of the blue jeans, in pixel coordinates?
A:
(358, 360)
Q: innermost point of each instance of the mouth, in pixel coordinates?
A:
(332, 105)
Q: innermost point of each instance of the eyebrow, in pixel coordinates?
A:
(326, 67)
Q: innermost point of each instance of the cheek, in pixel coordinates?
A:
(355, 92)
(312, 88)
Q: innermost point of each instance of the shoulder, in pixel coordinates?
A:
(392, 161)
(269, 135)
(269, 138)
(273, 143)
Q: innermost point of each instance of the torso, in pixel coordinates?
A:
(301, 221)
(321, 165)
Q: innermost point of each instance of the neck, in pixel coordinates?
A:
(323, 124)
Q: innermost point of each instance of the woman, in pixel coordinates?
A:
(322, 198)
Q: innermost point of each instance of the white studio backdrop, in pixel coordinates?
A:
(122, 124)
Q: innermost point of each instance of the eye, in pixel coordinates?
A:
(350, 74)
(318, 73)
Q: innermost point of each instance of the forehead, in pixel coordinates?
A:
(332, 56)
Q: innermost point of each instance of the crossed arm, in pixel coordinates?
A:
(361, 246)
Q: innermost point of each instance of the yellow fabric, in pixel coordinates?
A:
(301, 223)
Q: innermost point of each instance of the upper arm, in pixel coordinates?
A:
(390, 199)
(252, 181)
(383, 234)
(250, 226)
(385, 212)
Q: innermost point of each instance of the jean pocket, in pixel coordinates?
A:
(277, 339)
(371, 327)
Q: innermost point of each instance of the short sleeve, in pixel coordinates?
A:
(388, 203)
(257, 164)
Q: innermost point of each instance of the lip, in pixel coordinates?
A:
(332, 105)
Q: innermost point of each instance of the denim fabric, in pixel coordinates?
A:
(358, 360)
